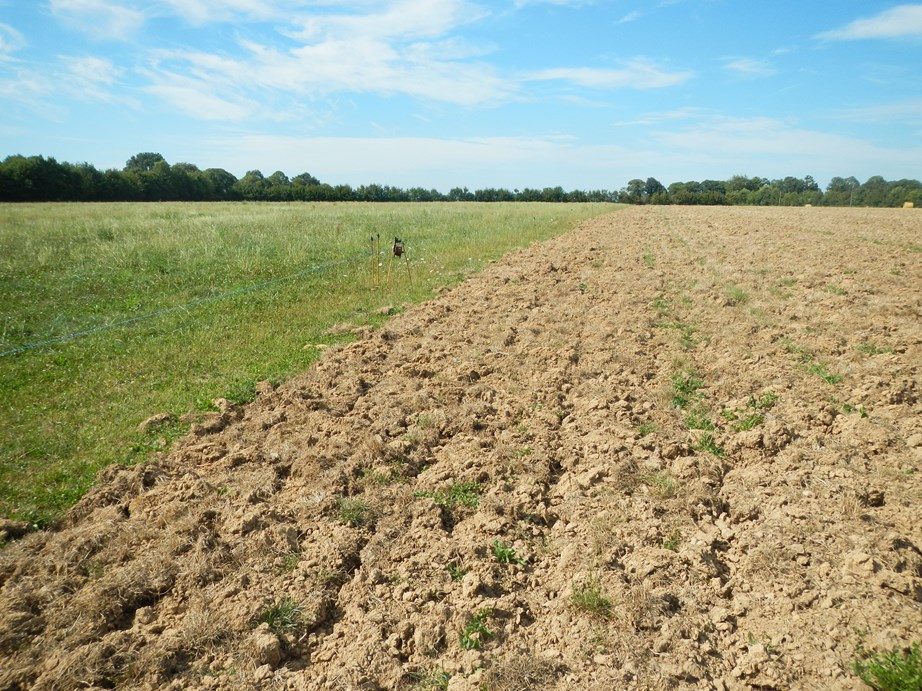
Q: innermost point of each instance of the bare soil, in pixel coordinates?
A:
(346, 530)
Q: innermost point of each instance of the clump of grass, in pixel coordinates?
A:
(591, 598)
(897, 670)
(353, 512)
(740, 421)
(835, 290)
(505, 554)
(290, 561)
(735, 295)
(430, 680)
(521, 672)
(648, 259)
(476, 632)
(673, 541)
(285, 616)
(697, 418)
(662, 484)
(708, 444)
(869, 348)
(820, 370)
(646, 429)
(457, 572)
(685, 389)
(766, 401)
(463, 493)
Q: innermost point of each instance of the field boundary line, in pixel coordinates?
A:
(176, 308)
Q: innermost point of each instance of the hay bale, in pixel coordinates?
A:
(908, 205)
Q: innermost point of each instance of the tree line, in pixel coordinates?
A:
(149, 177)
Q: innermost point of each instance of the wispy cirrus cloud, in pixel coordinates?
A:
(679, 114)
(897, 22)
(638, 73)
(780, 145)
(101, 19)
(749, 67)
(10, 41)
(630, 17)
(908, 112)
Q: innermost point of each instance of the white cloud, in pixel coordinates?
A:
(200, 104)
(84, 78)
(99, 18)
(635, 74)
(403, 20)
(566, 3)
(89, 78)
(10, 41)
(904, 112)
(749, 67)
(630, 17)
(203, 11)
(774, 147)
(899, 21)
(403, 48)
(687, 113)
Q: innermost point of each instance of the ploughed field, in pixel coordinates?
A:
(672, 448)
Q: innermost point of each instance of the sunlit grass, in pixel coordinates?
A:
(71, 408)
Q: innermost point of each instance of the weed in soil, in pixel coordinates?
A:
(463, 493)
(591, 598)
(896, 670)
(476, 631)
(285, 616)
(505, 554)
(353, 512)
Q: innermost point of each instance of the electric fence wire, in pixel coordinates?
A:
(193, 303)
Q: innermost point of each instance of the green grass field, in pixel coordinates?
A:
(70, 408)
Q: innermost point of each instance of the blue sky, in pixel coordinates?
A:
(445, 93)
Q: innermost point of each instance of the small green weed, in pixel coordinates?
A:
(646, 429)
(431, 680)
(476, 632)
(766, 401)
(742, 422)
(835, 290)
(894, 671)
(648, 258)
(290, 561)
(673, 541)
(820, 370)
(848, 409)
(353, 512)
(707, 444)
(735, 295)
(285, 616)
(457, 572)
(869, 348)
(505, 554)
(591, 598)
(697, 418)
(685, 388)
(464, 493)
(662, 484)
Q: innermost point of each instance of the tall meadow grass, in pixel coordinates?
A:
(69, 408)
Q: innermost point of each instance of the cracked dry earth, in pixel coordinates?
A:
(673, 448)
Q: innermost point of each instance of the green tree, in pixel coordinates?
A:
(143, 161)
